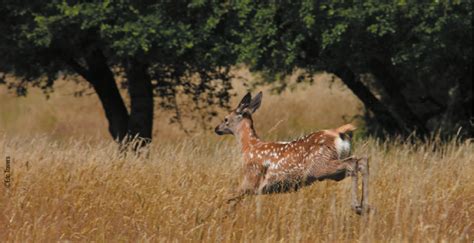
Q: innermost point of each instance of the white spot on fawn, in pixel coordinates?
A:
(267, 163)
(271, 165)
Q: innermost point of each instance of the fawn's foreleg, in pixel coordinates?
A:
(252, 179)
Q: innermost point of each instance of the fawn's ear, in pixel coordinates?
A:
(255, 103)
(244, 103)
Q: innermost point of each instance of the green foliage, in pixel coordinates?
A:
(292, 30)
(175, 40)
(420, 53)
(416, 51)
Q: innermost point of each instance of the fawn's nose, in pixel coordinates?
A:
(218, 132)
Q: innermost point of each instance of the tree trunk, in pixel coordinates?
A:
(385, 76)
(103, 81)
(382, 114)
(140, 122)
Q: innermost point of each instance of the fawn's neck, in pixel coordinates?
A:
(246, 135)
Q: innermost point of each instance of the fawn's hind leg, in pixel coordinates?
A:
(363, 167)
(352, 169)
(355, 184)
(348, 167)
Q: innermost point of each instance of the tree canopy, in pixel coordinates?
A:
(416, 57)
(159, 48)
(410, 64)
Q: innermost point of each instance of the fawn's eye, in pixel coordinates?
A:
(226, 120)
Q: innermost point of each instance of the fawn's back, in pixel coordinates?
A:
(297, 160)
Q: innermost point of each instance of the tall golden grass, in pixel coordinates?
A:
(69, 183)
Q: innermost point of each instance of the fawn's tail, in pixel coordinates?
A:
(346, 128)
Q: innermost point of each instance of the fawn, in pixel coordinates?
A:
(273, 167)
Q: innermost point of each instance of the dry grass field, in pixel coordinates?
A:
(69, 183)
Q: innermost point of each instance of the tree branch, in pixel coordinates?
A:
(79, 69)
(385, 76)
(381, 112)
